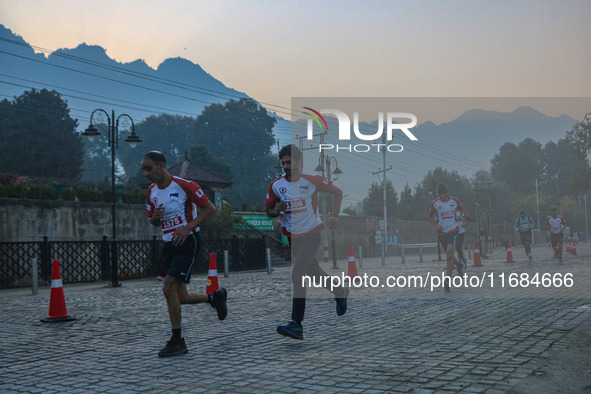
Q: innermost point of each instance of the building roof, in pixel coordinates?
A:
(191, 171)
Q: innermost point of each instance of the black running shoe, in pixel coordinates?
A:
(292, 329)
(174, 347)
(460, 268)
(446, 282)
(342, 302)
(218, 302)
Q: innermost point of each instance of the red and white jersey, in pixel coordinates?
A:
(446, 214)
(556, 225)
(301, 195)
(460, 218)
(180, 200)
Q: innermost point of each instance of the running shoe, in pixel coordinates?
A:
(446, 282)
(342, 302)
(292, 329)
(174, 347)
(218, 302)
(530, 259)
(461, 268)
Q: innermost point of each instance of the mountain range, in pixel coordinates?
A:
(88, 79)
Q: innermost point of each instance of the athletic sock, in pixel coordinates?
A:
(209, 298)
(176, 333)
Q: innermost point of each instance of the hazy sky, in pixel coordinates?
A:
(273, 50)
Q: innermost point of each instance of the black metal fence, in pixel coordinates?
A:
(89, 261)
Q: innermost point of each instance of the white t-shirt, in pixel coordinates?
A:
(301, 195)
(180, 199)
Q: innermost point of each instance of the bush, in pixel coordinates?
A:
(68, 194)
(87, 194)
(41, 192)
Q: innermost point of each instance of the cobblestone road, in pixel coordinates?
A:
(486, 339)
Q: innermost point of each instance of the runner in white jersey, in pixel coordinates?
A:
(445, 213)
(172, 204)
(294, 197)
(556, 224)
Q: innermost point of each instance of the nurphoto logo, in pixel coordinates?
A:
(344, 130)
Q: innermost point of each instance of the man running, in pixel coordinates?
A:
(294, 197)
(524, 226)
(172, 205)
(556, 224)
(444, 213)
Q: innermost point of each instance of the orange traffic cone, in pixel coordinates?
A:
(477, 261)
(574, 252)
(509, 253)
(212, 276)
(57, 302)
(352, 271)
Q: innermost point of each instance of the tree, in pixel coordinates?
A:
(405, 207)
(373, 204)
(201, 155)
(38, 137)
(564, 168)
(240, 133)
(580, 135)
(518, 165)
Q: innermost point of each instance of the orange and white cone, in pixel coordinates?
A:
(57, 301)
(212, 276)
(352, 269)
(574, 252)
(509, 253)
(477, 261)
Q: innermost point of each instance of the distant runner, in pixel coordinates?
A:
(556, 224)
(524, 225)
(445, 213)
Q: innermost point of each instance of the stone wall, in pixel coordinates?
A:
(31, 220)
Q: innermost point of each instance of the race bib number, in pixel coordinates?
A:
(170, 224)
(296, 206)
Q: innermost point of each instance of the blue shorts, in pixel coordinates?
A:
(179, 260)
(447, 239)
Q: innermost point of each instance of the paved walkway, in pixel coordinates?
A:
(485, 339)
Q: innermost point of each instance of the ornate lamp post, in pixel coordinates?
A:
(113, 141)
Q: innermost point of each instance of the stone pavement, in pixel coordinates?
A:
(486, 339)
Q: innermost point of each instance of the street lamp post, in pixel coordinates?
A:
(113, 141)
(324, 167)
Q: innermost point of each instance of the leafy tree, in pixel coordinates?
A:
(38, 137)
(240, 133)
(373, 204)
(405, 207)
(201, 155)
(518, 165)
(564, 168)
(580, 135)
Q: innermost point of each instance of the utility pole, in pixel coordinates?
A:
(584, 197)
(538, 209)
(385, 228)
(434, 197)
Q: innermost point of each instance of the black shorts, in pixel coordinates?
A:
(447, 239)
(525, 236)
(179, 260)
(556, 239)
